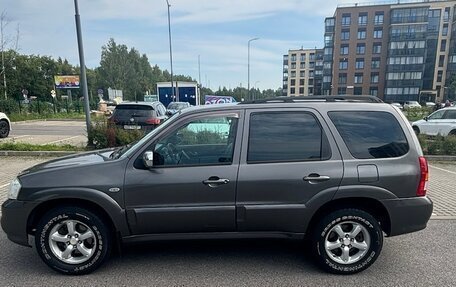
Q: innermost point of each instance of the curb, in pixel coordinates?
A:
(37, 153)
(440, 157)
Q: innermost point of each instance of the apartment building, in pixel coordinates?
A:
(401, 51)
(302, 72)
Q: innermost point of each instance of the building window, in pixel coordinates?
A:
(311, 82)
(360, 49)
(404, 76)
(373, 91)
(293, 57)
(378, 33)
(302, 65)
(406, 60)
(358, 78)
(292, 91)
(441, 60)
(293, 65)
(342, 78)
(374, 78)
(445, 30)
(293, 74)
(343, 64)
(328, 51)
(311, 74)
(301, 90)
(361, 34)
(312, 57)
(378, 20)
(346, 19)
(408, 45)
(377, 48)
(329, 22)
(375, 64)
(439, 76)
(303, 58)
(446, 15)
(443, 45)
(362, 19)
(358, 91)
(310, 90)
(345, 35)
(341, 90)
(327, 79)
(292, 82)
(359, 63)
(344, 49)
(301, 82)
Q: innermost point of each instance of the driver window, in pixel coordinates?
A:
(436, 116)
(203, 141)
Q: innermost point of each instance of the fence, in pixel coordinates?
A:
(44, 107)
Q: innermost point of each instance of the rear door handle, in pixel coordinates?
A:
(215, 181)
(316, 178)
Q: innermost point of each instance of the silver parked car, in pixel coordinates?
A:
(441, 122)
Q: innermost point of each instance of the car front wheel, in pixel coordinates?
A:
(347, 241)
(4, 129)
(72, 240)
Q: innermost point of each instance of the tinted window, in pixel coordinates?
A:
(291, 136)
(129, 110)
(370, 134)
(450, 114)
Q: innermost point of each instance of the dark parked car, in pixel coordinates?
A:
(174, 107)
(339, 171)
(139, 115)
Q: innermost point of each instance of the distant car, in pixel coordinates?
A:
(174, 107)
(411, 105)
(5, 126)
(397, 105)
(441, 122)
(429, 104)
(139, 115)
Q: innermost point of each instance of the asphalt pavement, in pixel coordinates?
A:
(48, 132)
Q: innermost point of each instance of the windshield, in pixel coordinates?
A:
(127, 150)
(177, 106)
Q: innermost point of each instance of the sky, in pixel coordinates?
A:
(216, 30)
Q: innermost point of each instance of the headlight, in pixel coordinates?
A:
(15, 186)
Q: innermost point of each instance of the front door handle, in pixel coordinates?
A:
(215, 181)
(316, 178)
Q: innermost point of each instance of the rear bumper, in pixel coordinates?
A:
(15, 214)
(408, 214)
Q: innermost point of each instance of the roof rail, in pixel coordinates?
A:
(339, 98)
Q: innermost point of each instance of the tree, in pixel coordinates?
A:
(7, 43)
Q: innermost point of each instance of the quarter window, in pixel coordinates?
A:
(290, 136)
(370, 134)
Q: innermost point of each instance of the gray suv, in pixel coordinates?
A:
(335, 172)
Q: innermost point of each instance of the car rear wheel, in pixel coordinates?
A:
(72, 240)
(347, 241)
(4, 129)
(452, 133)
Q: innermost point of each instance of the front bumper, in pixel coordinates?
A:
(408, 214)
(15, 214)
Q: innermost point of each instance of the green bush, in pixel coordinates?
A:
(415, 114)
(438, 145)
(103, 135)
(16, 146)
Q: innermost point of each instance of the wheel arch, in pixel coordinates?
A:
(367, 204)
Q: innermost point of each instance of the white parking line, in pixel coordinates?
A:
(442, 169)
(65, 139)
(2, 186)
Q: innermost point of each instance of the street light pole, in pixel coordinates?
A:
(248, 65)
(170, 51)
(85, 91)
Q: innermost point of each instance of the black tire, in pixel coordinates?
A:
(100, 242)
(324, 230)
(4, 129)
(452, 133)
(416, 130)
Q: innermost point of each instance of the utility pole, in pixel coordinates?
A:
(248, 66)
(84, 87)
(199, 79)
(170, 51)
(3, 54)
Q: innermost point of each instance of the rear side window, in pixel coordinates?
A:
(370, 134)
(282, 137)
(130, 110)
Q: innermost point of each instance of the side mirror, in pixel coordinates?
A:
(148, 159)
(426, 119)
